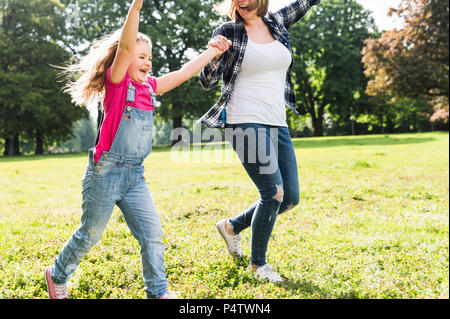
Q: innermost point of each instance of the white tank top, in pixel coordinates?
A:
(258, 95)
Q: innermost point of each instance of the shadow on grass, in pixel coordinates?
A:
(359, 141)
(22, 158)
(321, 142)
(303, 287)
(296, 287)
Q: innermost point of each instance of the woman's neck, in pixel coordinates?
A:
(254, 23)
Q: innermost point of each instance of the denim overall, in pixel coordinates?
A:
(117, 179)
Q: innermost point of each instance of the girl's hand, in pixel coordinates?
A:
(221, 43)
(173, 79)
(127, 43)
(137, 4)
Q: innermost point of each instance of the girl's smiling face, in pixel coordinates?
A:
(141, 65)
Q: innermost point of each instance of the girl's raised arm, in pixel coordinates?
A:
(127, 43)
(171, 80)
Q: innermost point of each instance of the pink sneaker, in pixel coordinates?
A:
(169, 295)
(54, 291)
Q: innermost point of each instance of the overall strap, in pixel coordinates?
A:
(101, 114)
(131, 93)
(155, 103)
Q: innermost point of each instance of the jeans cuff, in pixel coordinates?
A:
(153, 296)
(233, 227)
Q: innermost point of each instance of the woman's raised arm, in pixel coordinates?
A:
(293, 12)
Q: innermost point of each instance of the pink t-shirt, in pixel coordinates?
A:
(114, 105)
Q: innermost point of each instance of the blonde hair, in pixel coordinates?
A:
(86, 75)
(228, 8)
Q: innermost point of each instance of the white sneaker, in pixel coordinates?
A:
(233, 242)
(266, 272)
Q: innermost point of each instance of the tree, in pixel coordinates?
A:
(88, 20)
(180, 29)
(83, 137)
(32, 103)
(414, 61)
(327, 68)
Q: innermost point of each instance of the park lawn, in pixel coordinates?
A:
(373, 222)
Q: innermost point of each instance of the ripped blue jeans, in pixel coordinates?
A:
(268, 156)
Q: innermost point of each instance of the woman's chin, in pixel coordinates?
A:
(247, 14)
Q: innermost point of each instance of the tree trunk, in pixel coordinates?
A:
(12, 146)
(317, 119)
(8, 144)
(177, 122)
(318, 126)
(16, 145)
(39, 143)
(352, 121)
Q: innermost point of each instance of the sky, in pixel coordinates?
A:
(379, 8)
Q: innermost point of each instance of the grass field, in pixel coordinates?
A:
(373, 222)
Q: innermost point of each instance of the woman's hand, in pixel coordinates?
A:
(220, 43)
(173, 79)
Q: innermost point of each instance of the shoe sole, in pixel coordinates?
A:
(266, 279)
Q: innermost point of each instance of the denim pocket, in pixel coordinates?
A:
(144, 140)
(86, 182)
(104, 169)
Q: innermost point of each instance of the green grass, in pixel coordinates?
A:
(372, 223)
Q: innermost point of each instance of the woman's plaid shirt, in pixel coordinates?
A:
(229, 64)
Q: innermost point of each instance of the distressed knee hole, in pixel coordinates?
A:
(280, 193)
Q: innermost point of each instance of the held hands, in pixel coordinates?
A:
(221, 44)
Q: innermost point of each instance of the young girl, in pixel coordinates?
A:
(118, 67)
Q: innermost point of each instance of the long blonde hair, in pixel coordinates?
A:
(86, 75)
(228, 8)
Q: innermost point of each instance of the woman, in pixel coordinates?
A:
(256, 87)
